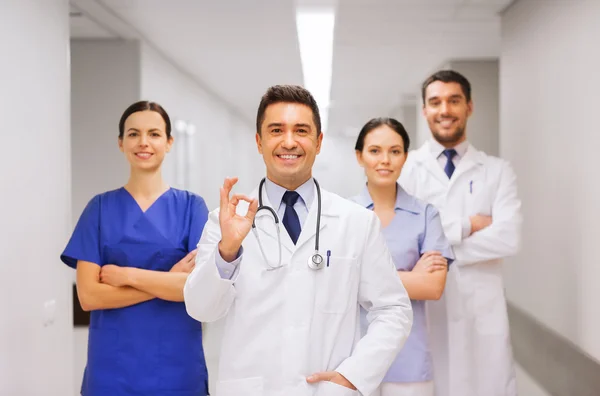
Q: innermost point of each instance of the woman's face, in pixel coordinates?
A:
(382, 156)
(145, 141)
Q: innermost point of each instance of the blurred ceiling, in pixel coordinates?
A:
(382, 49)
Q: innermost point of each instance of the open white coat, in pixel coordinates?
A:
(283, 325)
(469, 326)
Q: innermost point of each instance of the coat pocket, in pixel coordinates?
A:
(252, 386)
(478, 200)
(336, 284)
(327, 388)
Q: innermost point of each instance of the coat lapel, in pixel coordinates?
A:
(266, 227)
(265, 224)
(471, 159)
(309, 229)
(429, 162)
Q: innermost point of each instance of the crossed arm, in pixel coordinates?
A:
(427, 280)
(496, 236)
(112, 286)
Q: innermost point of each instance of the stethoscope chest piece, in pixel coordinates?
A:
(316, 261)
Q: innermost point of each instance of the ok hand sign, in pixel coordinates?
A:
(234, 227)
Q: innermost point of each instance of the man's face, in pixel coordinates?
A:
(447, 110)
(289, 143)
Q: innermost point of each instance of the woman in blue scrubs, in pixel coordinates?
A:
(133, 248)
(416, 241)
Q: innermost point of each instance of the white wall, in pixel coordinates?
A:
(35, 205)
(406, 113)
(105, 81)
(223, 144)
(549, 83)
(336, 168)
(422, 131)
(409, 120)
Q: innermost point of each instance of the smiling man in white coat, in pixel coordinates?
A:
(476, 195)
(292, 317)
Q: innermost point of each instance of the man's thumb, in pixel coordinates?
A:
(318, 377)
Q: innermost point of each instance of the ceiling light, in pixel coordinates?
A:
(315, 37)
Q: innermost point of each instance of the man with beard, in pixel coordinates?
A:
(476, 195)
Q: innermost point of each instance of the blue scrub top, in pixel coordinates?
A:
(415, 229)
(152, 348)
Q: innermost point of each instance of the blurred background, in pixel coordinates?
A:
(68, 69)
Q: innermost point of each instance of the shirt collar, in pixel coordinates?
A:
(437, 149)
(275, 192)
(404, 201)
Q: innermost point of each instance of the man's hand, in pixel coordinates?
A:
(234, 227)
(430, 262)
(186, 264)
(331, 376)
(479, 222)
(114, 275)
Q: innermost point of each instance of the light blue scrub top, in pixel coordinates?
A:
(415, 229)
(153, 348)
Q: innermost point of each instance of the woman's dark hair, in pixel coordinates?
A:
(145, 105)
(394, 124)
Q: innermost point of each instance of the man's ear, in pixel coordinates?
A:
(258, 142)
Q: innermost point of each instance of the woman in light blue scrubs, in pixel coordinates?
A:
(133, 248)
(416, 241)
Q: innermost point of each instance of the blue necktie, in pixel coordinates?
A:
(449, 168)
(290, 217)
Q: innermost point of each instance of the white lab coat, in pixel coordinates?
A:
(283, 325)
(469, 326)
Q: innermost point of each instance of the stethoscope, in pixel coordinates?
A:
(315, 262)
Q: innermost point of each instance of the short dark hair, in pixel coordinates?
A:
(144, 105)
(448, 76)
(287, 94)
(394, 124)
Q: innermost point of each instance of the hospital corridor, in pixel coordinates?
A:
(299, 198)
